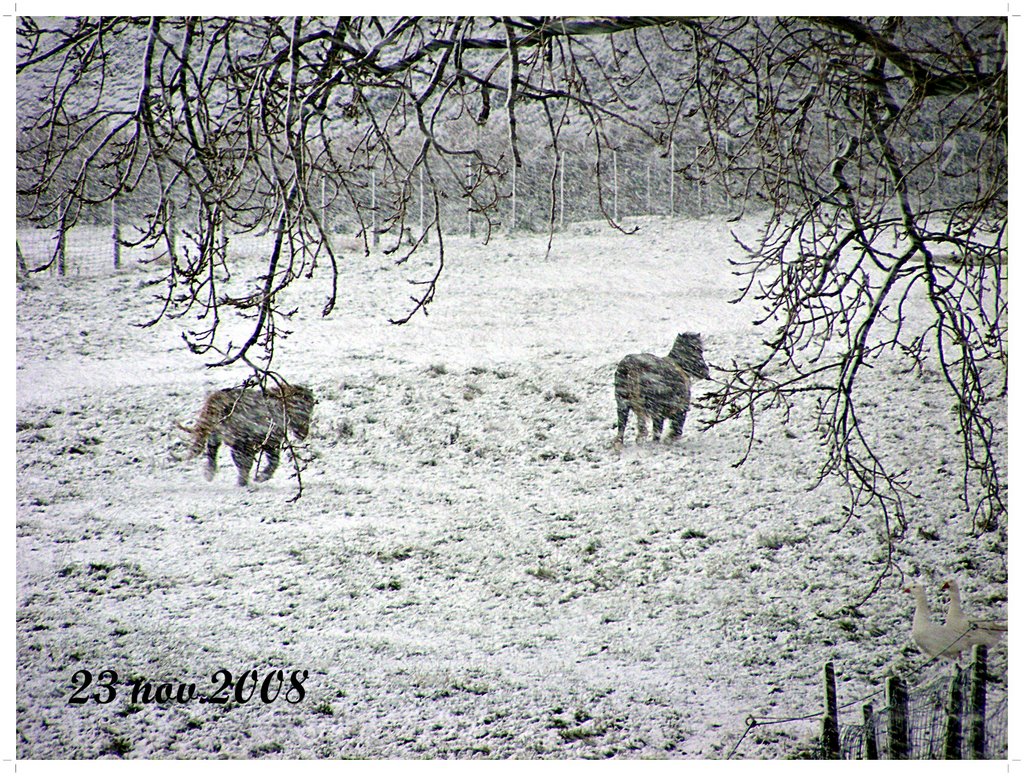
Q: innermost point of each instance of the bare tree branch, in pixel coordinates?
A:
(874, 148)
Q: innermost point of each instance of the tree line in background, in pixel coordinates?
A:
(875, 148)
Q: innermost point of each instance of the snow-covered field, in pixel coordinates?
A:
(472, 570)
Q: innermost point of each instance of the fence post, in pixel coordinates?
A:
(22, 264)
(422, 225)
(976, 705)
(323, 203)
(172, 228)
(373, 208)
(953, 737)
(116, 222)
(830, 721)
(672, 180)
(899, 741)
(698, 184)
(648, 188)
(512, 224)
(61, 258)
(561, 191)
(615, 184)
(870, 741)
(224, 241)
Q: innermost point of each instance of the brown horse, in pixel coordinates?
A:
(251, 421)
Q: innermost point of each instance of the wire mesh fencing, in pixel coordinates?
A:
(928, 720)
(545, 193)
(84, 250)
(958, 715)
(962, 715)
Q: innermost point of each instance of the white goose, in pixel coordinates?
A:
(934, 640)
(987, 632)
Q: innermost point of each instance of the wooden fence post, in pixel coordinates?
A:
(61, 257)
(648, 188)
(671, 180)
(899, 742)
(224, 242)
(976, 705)
(323, 203)
(423, 225)
(22, 264)
(830, 721)
(116, 225)
(615, 184)
(171, 226)
(953, 737)
(561, 191)
(515, 194)
(870, 740)
(373, 209)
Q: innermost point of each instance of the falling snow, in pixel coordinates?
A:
(472, 570)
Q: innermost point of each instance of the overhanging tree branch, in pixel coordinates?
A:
(875, 149)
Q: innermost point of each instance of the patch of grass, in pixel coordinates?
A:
(562, 394)
(473, 688)
(399, 554)
(119, 745)
(271, 747)
(542, 573)
(581, 733)
(692, 533)
(776, 541)
(576, 727)
(392, 584)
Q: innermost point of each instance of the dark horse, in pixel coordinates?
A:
(659, 387)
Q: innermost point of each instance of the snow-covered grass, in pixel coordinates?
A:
(472, 570)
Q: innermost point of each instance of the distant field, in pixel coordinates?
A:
(472, 570)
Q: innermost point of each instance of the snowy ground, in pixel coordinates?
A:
(471, 571)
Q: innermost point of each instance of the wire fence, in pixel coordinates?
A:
(374, 205)
(960, 715)
(93, 251)
(544, 193)
(82, 251)
(927, 725)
